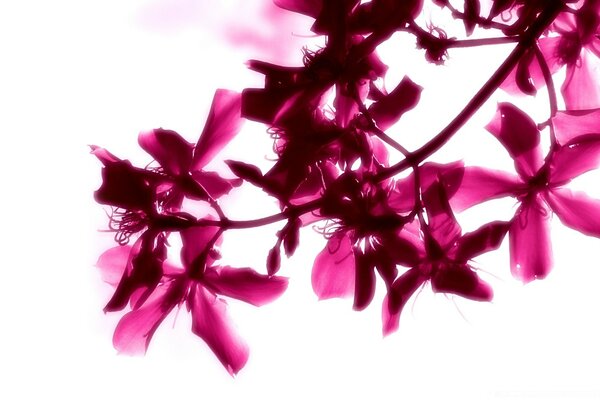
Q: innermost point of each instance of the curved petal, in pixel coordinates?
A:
(211, 323)
(141, 275)
(393, 303)
(312, 8)
(214, 184)
(441, 221)
(245, 284)
(168, 148)
(389, 109)
(529, 241)
(576, 210)
(548, 47)
(195, 240)
(105, 156)
(578, 156)
(481, 184)
(486, 238)
(112, 263)
(364, 287)
(223, 123)
(570, 124)
(402, 248)
(580, 89)
(124, 186)
(134, 331)
(519, 134)
(461, 280)
(402, 195)
(333, 270)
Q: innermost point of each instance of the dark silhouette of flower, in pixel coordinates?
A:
(436, 252)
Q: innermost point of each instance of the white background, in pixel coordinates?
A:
(74, 73)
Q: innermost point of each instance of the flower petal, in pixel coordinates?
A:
(112, 263)
(312, 8)
(364, 288)
(195, 240)
(393, 303)
(211, 323)
(461, 280)
(576, 157)
(519, 134)
(440, 219)
(214, 184)
(481, 184)
(486, 238)
(223, 123)
(548, 47)
(134, 331)
(529, 241)
(570, 124)
(168, 148)
(124, 186)
(576, 210)
(333, 270)
(580, 89)
(389, 109)
(105, 156)
(245, 284)
(141, 275)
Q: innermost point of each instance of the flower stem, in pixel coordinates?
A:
(527, 40)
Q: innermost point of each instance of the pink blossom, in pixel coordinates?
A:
(539, 185)
(200, 285)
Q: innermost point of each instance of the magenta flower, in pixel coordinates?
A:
(539, 187)
(439, 254)
(200, 285)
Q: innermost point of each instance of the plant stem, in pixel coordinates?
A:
(482, 42)
(528, 39)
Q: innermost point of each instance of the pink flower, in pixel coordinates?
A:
(539, 185)
(439, 254)
(200, 285)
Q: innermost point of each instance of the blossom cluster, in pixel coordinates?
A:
(333, 167)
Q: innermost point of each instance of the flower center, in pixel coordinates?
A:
(125, 223)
